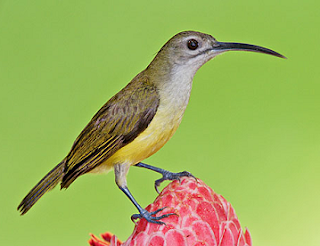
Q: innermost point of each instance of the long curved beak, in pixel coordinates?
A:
(225, 46)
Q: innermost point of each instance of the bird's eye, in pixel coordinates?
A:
(192, 44)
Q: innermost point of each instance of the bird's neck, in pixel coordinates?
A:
(174, 83)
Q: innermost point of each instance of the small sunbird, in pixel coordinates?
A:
(137, 121)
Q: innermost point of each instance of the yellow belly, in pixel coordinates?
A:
(160, 130)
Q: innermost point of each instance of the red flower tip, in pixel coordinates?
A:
(108, 239)
(203, 218)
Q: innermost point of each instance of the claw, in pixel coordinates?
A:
(152, 219)
(171, 176)
(166, 175)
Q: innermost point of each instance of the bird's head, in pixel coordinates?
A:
(191, 50)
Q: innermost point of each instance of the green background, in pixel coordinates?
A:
(251, 130)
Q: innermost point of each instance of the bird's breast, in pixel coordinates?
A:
(159, 131)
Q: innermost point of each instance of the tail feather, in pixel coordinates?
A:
(47, 183)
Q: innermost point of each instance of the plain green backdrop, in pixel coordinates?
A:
(251, 130)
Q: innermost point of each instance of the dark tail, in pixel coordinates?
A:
(47, 183)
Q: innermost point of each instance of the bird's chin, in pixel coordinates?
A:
(210, 54)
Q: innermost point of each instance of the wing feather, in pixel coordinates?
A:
(116, 124)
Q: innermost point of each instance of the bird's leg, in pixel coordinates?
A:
(166, 175)
(120, 174)
(143, 213)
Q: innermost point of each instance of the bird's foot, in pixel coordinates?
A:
(149, 216)
(166, 175)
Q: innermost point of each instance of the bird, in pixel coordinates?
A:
(137, 121)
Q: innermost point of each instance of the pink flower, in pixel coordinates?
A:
(203, 218)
